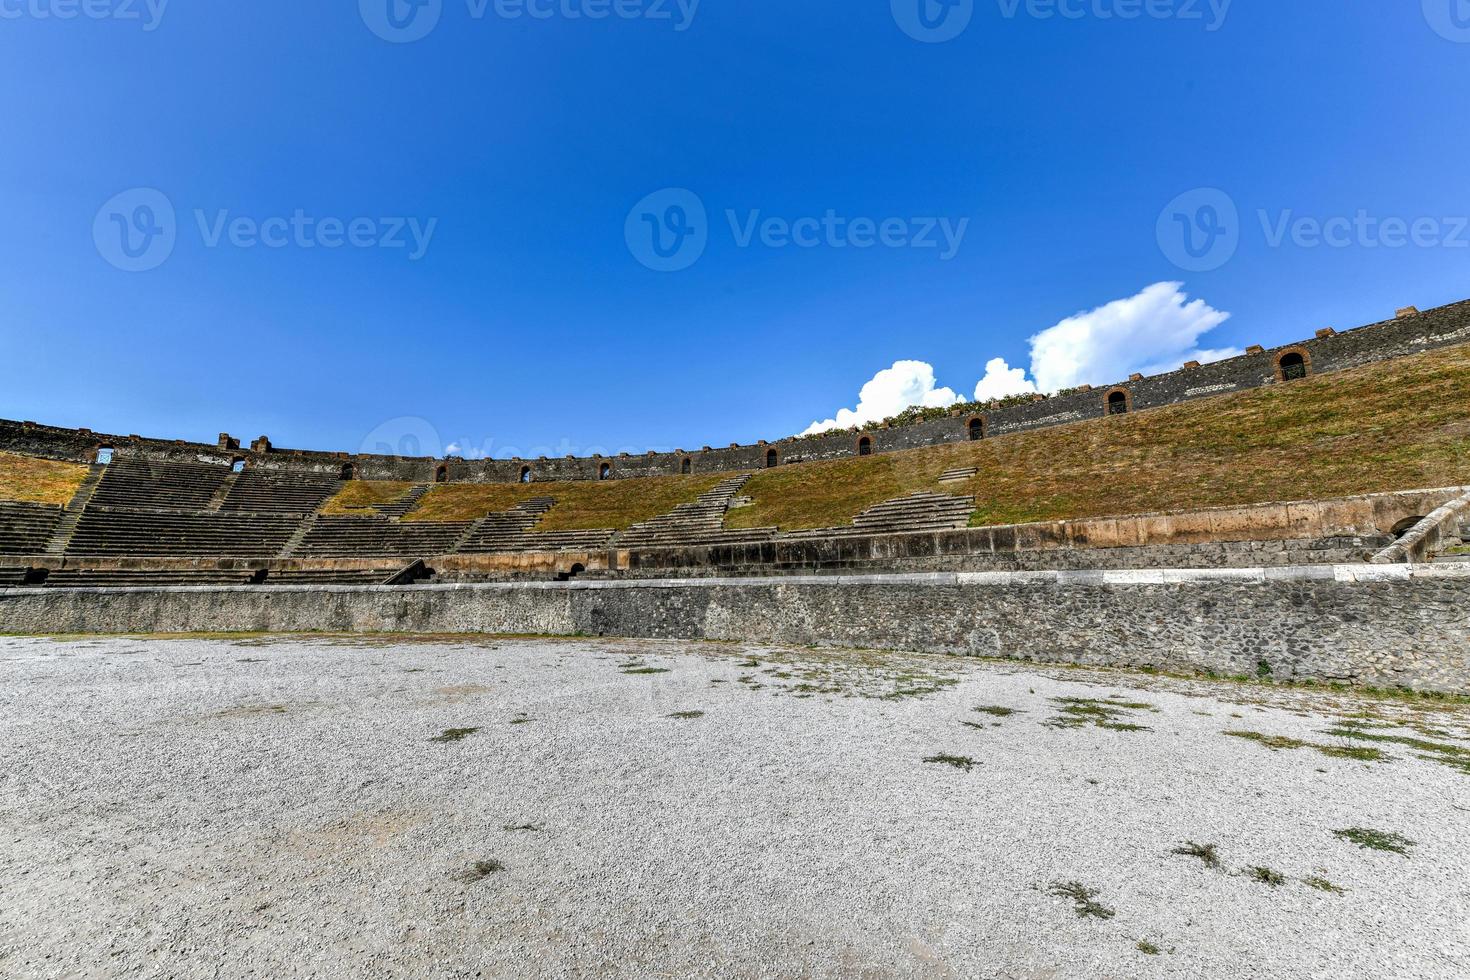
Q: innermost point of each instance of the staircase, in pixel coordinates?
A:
(25, 529)
(396, 509)
(959, 475)
(699, 523)
(921, 511)
(505, 531)
(61, 536)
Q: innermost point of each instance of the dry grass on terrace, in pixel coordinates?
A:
(1397, 425)
(39, 481)
(356, 499)
(580, 506)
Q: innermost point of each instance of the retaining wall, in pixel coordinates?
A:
(1400, 625)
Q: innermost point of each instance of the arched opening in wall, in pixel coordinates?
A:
(1293, 366)
(865, 446)
(773, 459)
(348, 471)
(104, 455)
(525, 474)
(686, 466)
(1118, 403)
(604, 471)
(977, 430)
(1404, 526)
(441, 475)
(238, 466)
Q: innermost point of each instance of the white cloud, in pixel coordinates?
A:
(453, 449)
(906, 384)
(1155, 331)
(1001, 380)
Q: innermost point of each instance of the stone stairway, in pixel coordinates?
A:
(25, 529)
(398, 508)
(142, 483)
(922, 511)
(699, 523)
(257, 492)
(377, 537)
(506, 530)
(11, 577)
(959, 475)
(218, 500)
(61, 536)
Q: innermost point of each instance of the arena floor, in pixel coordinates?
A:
(531, 808)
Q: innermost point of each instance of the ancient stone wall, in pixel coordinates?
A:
(1330, 351)
(1399, 626)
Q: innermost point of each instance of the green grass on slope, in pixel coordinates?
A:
(39, 481)
(1397, 425)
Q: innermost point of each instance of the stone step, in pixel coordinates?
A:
(959, 475)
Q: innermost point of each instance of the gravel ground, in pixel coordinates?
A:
(292, 807)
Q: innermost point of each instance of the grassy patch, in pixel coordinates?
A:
(956, 761)
(356, 498)
(1204, 852)
(39, 481)
(1148, 948)
(1394, 425)
(687, 715)
(1455, 756)
(479, 871)
(1105, 713)
(1323, 885)
(1266, 876)
(522, 828)
(996, 710)
(640, 670)
(454, 735)
(1084, 899)
(1277, 743)
(580, 505)
(1376, 840)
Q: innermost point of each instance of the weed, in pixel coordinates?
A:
(1266, 876)
(1275, 743)
(957, 761)
(1376, 840)
(479, 871)
(646, 670)
(454, 735)
(1083, 898)
(1102, 713)
(687, 715)
(1205, 852)
(1146, 947)
(996, 710)
(514, 828)
(1323, 885)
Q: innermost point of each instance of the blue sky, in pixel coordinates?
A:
(520, 146)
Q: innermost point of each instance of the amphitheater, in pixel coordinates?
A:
(1164, 678)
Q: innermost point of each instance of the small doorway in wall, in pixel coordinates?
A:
(604, 471)
(1293, 366)
(977, 430)
(238, 466)
(348, 471)
(686, 466)
(525, 474)
(104, 455)
(773, 459)
(1118, 403)
(865, 446)
(441, 475)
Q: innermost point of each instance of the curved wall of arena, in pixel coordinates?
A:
(1411, 332)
